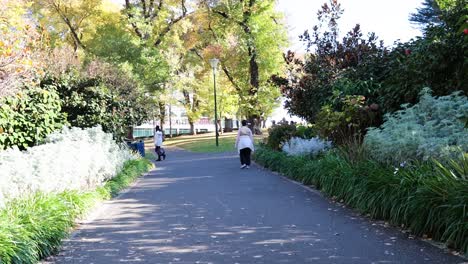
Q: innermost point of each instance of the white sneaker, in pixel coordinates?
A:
(247, 166)
(243, 166)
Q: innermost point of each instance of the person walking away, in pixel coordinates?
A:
(158, 142)
(244, 144)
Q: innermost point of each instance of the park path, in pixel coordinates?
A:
(201, 208)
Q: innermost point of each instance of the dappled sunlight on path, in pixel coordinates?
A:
(201, 208)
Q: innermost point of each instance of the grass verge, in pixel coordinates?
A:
(428, 200)
(33, 228)
(208, 145)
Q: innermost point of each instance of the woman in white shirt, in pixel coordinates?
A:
(244, 144)
(158, 142)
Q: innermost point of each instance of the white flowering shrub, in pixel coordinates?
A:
(299, 147)
(73, 159)
(433, 128)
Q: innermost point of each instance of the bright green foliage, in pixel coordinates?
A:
(114, 43)
(433, 128)
(250, 47)
(447, 4)
(424, 199)
(153, 21)
(209, 146)
(29, 116)
(32, 228)
(69, 21)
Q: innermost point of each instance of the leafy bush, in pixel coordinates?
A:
(32, 227)
(437, 60)
(73, 159)
(385, 77)
(29, 116)
(348, 66)
(302, 147)
(432, 128)
(429, 199)
(279, 134)
(349, 122)
(103, 97)
(305, 132)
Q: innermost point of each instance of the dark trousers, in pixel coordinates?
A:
(245, 156)
(160, 153)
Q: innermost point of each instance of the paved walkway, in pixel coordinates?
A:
(201, 208)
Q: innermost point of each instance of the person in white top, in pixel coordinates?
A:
(158, 142)
(245, 144)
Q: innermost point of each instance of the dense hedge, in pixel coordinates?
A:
(426, 199)
(33, 228)
(29, 116)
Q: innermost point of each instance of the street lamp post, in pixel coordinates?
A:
(214, 63)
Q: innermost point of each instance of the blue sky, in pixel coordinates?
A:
(388, 19)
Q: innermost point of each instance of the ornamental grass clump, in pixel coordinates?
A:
(73, 159)
(427, 198)
(433, 128)
(301, 147)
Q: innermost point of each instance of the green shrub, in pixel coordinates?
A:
(279, 134)
(386, 77)
(305, 132)
(436, 60)
(347, 66)
(32, 228)
(349, 122)
(89, 102)
(433, 128)
(427, 198)
(29, 116)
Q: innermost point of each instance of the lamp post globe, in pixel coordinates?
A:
(214, 64)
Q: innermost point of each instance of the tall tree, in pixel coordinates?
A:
(428, 14)
(153, 20)
(69, 20)
(252, 38)
(19, 42)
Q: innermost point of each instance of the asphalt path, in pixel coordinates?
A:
(202, 208)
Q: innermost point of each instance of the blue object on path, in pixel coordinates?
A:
(140, 146)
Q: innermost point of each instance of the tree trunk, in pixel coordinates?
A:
(253, 69)
(130, 132)
(162, 114)
(254, 122)
(252, 50)
(192, 127)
